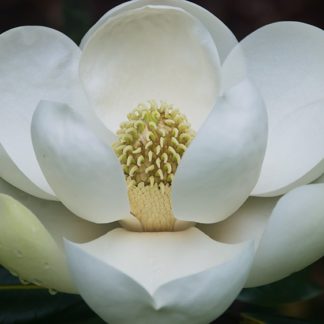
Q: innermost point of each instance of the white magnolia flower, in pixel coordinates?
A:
(133, 253)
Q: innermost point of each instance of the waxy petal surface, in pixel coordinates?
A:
(35, 63)
(285, 60)
(83, 171)
(10, 172)
(293, 237)
(179, 277)
(247, 223)
(223, 162)
(154, 52)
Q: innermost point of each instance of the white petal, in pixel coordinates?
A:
(31, 237)
(222, 36)
(155, 52)
(247, 223)
(320, 179)
(57, 220)
(293, 238)
(286, 62)
(295, 152)
(27, 249)
(35, 63)
(84, 172)
(222, 164)
(10, 172)
(179, 277)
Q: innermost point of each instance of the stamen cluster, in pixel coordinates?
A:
(151, 143)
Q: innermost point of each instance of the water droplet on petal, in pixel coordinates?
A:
(46, 265)
(18, 253)
(36, 282)
(52, 291)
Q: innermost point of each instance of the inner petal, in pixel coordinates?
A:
(151, 52)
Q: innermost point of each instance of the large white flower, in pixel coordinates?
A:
(134, 253)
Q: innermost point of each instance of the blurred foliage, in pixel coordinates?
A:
(77, 19)
(31, 304)
(268, 318)
(297, 287)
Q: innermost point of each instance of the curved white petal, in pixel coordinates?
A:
(295, 151)
(179, 277)
(10, 172)
(28, 250)
(286, 62)
(31, 237)
(35, 63)
(293, 238)
(57, 220)
(82, 170)
(154, 52)
(247, 223)
(222, 164)
(224, 39)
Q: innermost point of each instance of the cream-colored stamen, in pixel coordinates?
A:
(150, 145)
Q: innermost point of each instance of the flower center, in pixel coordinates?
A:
(150, 145)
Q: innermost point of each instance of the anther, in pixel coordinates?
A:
(174, 141)
(150, 156)
(164, 157)
(137, 151)
(140, 160)
(133, 170)
(148, 145)
(127, 148)
(149, 169)
(175, 132)
(130, 160)
(161, 141)
(160, 174)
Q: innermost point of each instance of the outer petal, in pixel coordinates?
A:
(286, 61)
(293, 238)
(222, 36)
(10, 172)
(180, 277)
(301, 136)
(35, 63)
(84, 173)
(222, 164)
(247, 223)
(31, 237)
(154, 52)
